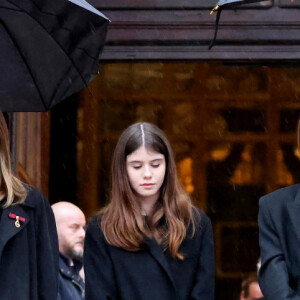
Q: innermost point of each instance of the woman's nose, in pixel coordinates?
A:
(147, 172)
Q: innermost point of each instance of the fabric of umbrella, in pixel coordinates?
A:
(49, 49)
(226, 4)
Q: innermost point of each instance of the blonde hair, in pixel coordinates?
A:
(121, 220)
(10, 186)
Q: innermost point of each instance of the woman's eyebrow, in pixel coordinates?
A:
(139, 161)
(157, 159)
(134, 162)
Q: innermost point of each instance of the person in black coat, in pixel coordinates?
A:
(279, 238)
(149, 242)
(28, 238)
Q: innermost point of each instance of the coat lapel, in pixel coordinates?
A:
(157, 253)
(294, 211)
(7, 224)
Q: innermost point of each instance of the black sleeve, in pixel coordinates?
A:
(99, 275)
(47, 250)
(204, 284)
(273, 275)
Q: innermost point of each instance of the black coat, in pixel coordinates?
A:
(29, 253)
(149, 274)
(279, 237)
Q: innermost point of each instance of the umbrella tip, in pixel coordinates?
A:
(214, 9)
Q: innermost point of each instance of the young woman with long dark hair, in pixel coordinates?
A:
(149, 242)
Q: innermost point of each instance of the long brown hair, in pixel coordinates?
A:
(121, 220)
(10, 187)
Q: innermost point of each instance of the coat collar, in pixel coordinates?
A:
(7, 225)
(157, 252)
(64, 263)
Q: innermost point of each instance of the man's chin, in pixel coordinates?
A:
(77, 254)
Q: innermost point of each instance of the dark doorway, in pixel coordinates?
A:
(63, 137)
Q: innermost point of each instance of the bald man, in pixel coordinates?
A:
(70, 224)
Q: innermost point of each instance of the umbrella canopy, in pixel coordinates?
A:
(231, 3)
(226, 4)
(49, 50)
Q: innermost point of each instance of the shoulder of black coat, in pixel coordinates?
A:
(34, 197)
(95, 222)
(200, 218)
(281, 195)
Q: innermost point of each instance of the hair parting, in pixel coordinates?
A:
(143, 134)
(121, 220)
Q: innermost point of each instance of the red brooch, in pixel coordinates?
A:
(17, 218)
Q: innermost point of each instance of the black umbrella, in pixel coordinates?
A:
(49, 49)
(226, 4)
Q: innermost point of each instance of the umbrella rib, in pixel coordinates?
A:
(58, 21)
(28, 68)
(50, 14)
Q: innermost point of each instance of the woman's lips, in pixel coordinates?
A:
(147, 184)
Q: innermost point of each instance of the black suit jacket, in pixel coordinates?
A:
(29, 253)
(279, 238)
(149, 274)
